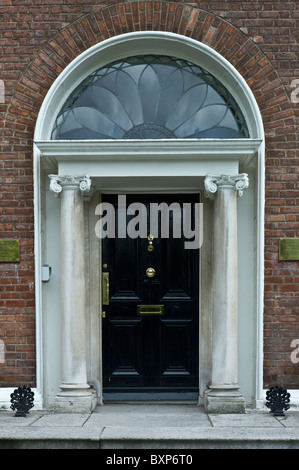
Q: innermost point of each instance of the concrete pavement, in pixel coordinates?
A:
(149, 426)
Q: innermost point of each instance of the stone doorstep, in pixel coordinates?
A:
(101, 429)
(150, 438)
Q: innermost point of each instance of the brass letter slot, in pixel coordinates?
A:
(150, 309)
(105, 288)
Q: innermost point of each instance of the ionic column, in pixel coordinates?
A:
(223, 395)
(75, 394)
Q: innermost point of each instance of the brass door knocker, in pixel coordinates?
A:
(150, 245)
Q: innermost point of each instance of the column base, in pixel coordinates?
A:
(226, 400)
(75, 400)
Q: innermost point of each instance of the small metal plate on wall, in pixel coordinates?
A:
(9, 251)
(289, 249)
(150, 309)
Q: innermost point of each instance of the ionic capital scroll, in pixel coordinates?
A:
(237, 183)
(59, 183)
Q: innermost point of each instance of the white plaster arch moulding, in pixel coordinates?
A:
(163, 43)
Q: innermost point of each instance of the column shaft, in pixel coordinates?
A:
(73, 290)
(225, 291)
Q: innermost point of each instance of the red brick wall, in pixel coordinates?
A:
(38, 39)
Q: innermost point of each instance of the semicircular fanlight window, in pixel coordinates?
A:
(150, 97)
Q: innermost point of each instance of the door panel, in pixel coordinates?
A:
(126, 284)
(150, 353)
(175, 347)
(125, 359)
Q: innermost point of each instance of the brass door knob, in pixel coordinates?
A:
(150, 272)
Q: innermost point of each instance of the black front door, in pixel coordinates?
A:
(151, 320)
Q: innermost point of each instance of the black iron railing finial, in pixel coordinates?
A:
(22, 400)
(277, 399)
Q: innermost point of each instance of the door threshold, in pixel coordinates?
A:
(189, 398)
(149, 402)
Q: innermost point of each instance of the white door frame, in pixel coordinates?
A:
(114, 164)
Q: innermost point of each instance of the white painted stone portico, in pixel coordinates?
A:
(231, 265)
(222, 314)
